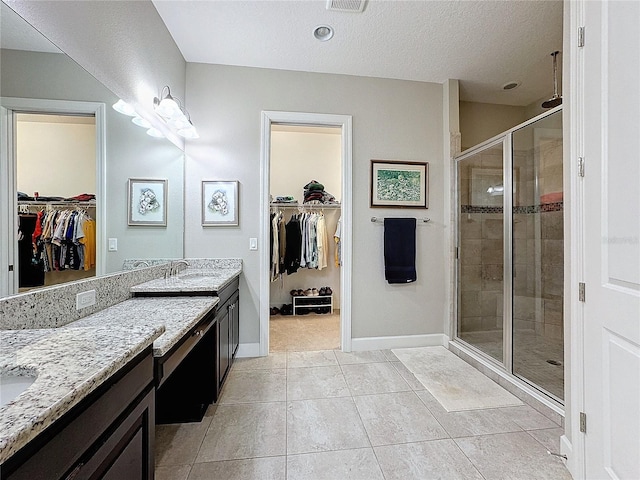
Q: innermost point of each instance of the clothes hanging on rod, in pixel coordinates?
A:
(302, 242)
(30, 268)
(63, 238)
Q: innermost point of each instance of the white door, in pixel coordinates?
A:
(611, 121)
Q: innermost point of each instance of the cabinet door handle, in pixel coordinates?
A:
(75, 471)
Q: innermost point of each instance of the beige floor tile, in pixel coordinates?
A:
(549, 438)
(512, 456)
(273, 360)
(316, 382)
(350, 358)
(390, 356)
(178, 444)
(370, 378)
(245, 431)
(397, 418)
(323, 425)
(172, 472)
(528, 418)
(409, 377)
(438, 459)
(304, 333)
(359, 464)
(255, 386)
(321, 358)
(267, 468)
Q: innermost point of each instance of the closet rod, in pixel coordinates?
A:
(305, 205)
(35, 203)
(381, 220)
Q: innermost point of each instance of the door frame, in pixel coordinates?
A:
(306, 119)
(8, 216)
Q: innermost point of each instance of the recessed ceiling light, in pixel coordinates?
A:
(323, 32)
(510, 85)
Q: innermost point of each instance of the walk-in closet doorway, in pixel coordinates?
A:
(314, 298)
(23, 123)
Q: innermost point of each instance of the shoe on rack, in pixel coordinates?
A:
(322, 292)
(274, 311)
(308, 292)
(328, 291)
(314, 292)
(294, 292)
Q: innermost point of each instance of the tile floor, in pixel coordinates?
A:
(309, 332)
(332, 415)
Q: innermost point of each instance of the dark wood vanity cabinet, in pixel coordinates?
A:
(108, 435)
(228, 324)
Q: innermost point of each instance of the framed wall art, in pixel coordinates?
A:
(399, 184)
(219, 203)
(147, 202)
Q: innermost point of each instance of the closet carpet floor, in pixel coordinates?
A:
(332, 415)
(300, 333)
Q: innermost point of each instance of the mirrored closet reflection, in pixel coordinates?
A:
(305, 188)
(56, 182)
(510, 241)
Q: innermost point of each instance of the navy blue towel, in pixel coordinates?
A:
(400, 250)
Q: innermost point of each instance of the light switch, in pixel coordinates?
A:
(253, 244)
(113, 244)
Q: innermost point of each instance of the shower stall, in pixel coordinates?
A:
(510, 266)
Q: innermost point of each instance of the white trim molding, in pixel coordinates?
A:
(314, 119)
(248, 350)
(404, 341)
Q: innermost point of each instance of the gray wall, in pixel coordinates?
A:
(392, 119)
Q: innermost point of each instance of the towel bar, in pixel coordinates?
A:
(381, 220)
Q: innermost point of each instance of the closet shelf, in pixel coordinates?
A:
(58, 203)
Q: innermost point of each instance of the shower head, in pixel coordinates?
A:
(556, 99)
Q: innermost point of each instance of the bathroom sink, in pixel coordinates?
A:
(12, 385)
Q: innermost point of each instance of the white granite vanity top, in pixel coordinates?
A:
(191, 280)
(177, 315)
(70, 362)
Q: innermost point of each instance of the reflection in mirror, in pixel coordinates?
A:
(36, 78)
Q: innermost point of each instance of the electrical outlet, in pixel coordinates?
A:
(85, 299)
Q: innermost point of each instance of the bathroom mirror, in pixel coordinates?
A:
(32, 68)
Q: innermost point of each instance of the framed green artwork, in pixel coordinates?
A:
(399, 184)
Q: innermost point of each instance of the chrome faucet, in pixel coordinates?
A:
(139, 263)
(174, 266)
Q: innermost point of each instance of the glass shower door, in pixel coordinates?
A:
(481, 250)
(538, 263)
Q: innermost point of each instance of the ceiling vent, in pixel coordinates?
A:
(346, 5)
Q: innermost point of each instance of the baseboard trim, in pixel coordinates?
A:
(403, 341)
(566, 448)
(248, 350)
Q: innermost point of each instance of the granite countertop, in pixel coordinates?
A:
(177, 315)
(70, 363)
(191, 280)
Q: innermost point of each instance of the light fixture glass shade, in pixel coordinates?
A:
(180, 122)
(154, 132)
(188, 132)
(123, 107)
(141, 122)
(168, 107)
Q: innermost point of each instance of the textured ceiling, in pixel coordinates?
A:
(484, 44)
(16, 34)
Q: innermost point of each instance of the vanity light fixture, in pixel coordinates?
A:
(141, 122)
(123, 107)
(174, 114)
(154, 132)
